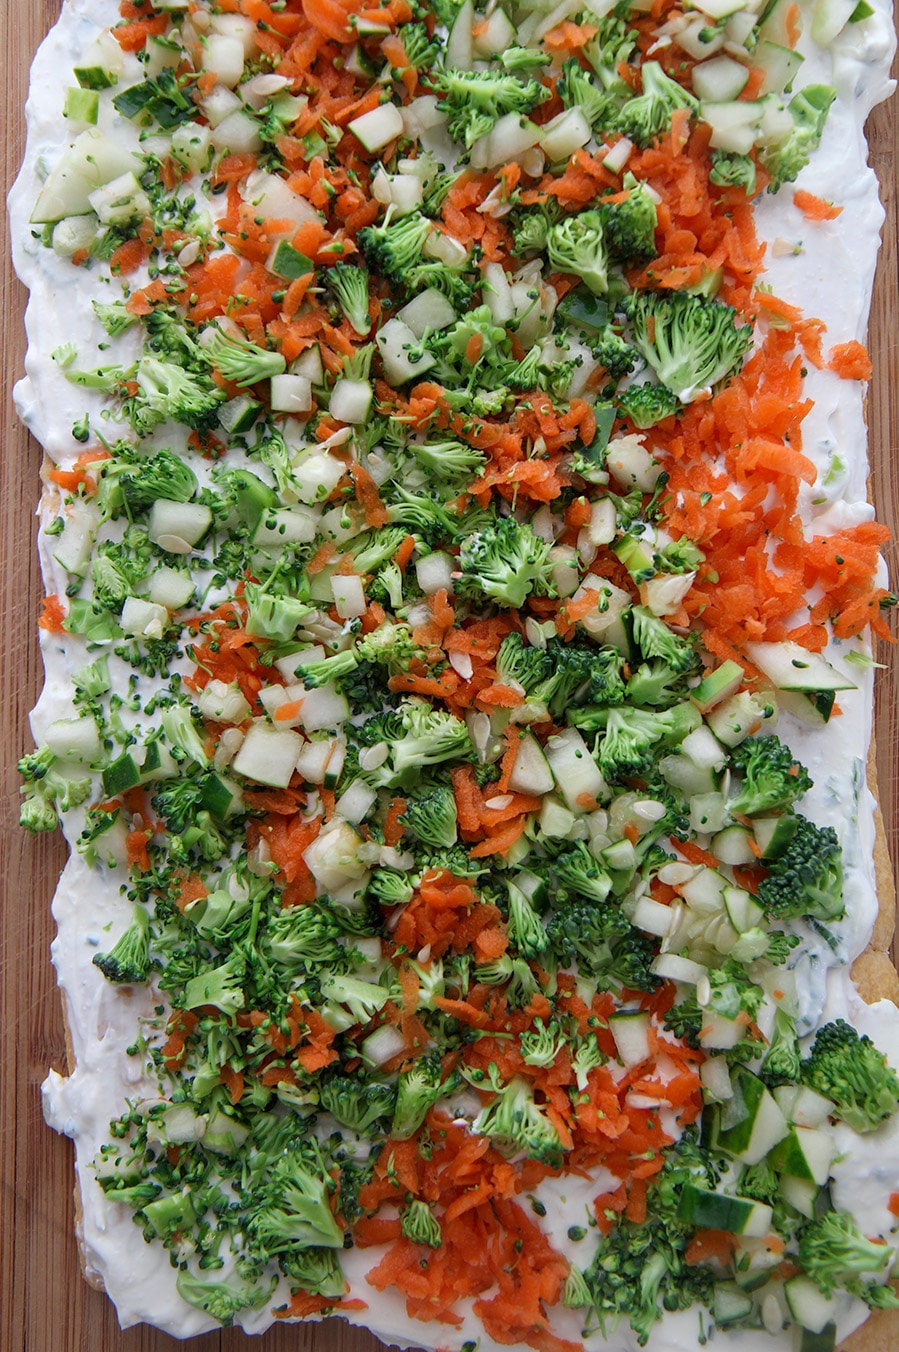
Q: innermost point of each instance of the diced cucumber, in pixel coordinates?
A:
(805, 1153)
(378, 127)
(684, 774)
(429, 310)
(737, 718)
(829, 19)
(751, 1122)
(555, 819)
(494, 35)
(804, 1106)
(75, 739)
(789, 666)
(637, 556)
(651, 916)
(743, 911)
(220, 796)
(575, 771)
(734, 125)
(773, 834)
(191, 146)
(565, 134)
(718, 685)
(672, 967)
(778, 21)
(459, 43)
(630, 1029)
(709, 1210)
(800, 1193)
(730, 1303)
(780, 65)
(805, 1340)
(268, 755)
(123, 774)
(719, 1033)
(350, 400)
(807, 1304)
(734, 845)
(704, 892)
(92, 160)
(94, 77)
(401, 352)
(82, 105)
(531, 772)
(720, 80)
(620, 857)
(177, 526)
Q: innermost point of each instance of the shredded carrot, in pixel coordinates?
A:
(815, 208)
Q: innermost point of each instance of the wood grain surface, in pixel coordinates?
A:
(45, 1306)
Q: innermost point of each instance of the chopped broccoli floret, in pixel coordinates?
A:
(128, 963)
(431, 816)
(357, 1104)
(166, 390)
(506, 562)
(417, 1090)
(524, 924)
(647, 404)
(47, 791)
(514, 1121)
(691, 343)
(393, 248)
(531, 227)
(141, 479)
(419, 1224)
(730, 170)
(647, 116)
(292, 1206)
(425, 736)
(523, 663)
(390, 645)
(808, 109)
(847, 1068)
(772, 778)
(577, 245)
(640, 1268)
(584, 931)
(782, 1063)
(629, 227)
(315, 1270)
(513, 973)
(303, 938)
(633, 737)
(807, 879)
(220, 1300)
(578, 88)
(241, 361)
(541, 1045)
(448, 459)
(835, 1253)
(733, 996)
(348, 283)
(474, 100)
(614, 353)
(656, 640)
(577, 870)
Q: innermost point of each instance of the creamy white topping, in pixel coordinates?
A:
(830, 276)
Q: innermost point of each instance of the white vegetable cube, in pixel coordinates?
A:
(224, 56)
(435, 572)
(170, 588)
(74, 739)
(72, 234)
(268, 755)
(351, 401)
(143, 618)
(238, 134)
(218, 104)
(428, 310)
(565, 134)
(223, 702)
(291, 394)
(323, 707)
(285, 526)
(376, 128)
(317, 476)
(333, 857)
(120, 201)
(349, 595)
(177, 526)
(401, 354)
(628, 461)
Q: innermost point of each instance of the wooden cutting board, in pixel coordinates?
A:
(44, 1303)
